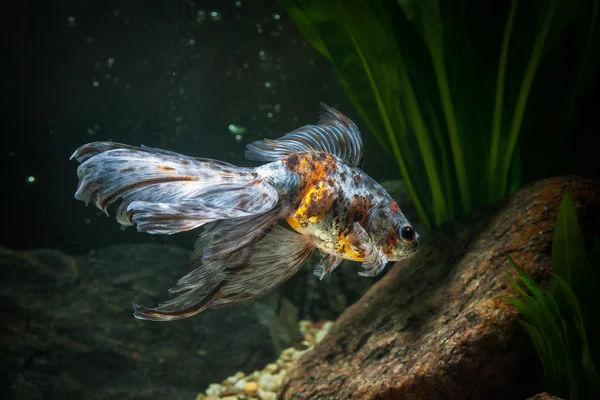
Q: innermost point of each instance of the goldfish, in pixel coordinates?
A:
(258, 224)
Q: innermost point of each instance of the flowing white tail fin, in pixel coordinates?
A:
(164, 192)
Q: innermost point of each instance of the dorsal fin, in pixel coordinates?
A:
(334, 133)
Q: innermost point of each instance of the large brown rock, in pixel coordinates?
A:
(436, 326)
(544, 396)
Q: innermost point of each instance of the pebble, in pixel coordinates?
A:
(265, 384)
(324, 330)
(214, 389)
(251, 387)
(239, 375)
(272, 368)
(241, 384)
(267, 395)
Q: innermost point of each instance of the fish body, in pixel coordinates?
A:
(330, 196)
(311, 181)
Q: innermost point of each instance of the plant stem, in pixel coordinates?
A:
(524, 93)
(435, 46)
(392, 137)
(439, 205)
(497, 121)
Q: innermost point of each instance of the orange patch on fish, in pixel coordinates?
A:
(294, 223)
(165, 168)
(316, 201)
(344, 247)
(311, 168)
(391, 240)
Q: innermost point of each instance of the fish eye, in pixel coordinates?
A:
(407, 233)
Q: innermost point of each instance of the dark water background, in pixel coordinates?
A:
(146, 72)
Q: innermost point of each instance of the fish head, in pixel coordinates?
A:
(393, 233)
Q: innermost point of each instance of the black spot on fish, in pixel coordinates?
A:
(292, 161)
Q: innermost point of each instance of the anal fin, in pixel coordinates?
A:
(246, 274)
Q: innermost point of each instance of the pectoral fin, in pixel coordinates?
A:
(328, 263)
(374, 261)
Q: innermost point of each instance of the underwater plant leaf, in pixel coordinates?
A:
(308, 29)
(428, 76)
(562, 345)
(317, 21)
(569, 255)
(573, 309)
(565, 12)
(542, 346)
(499, 98)
(543, 322)
(430, 24)
(544, 28)
(531, 285)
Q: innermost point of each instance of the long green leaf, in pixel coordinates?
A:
(499, 102)
(427, 77)
(569, 256)
(550, 26)
(573, 307)
(431, 25)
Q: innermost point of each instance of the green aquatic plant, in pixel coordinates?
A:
(446, 85)
(563, 322)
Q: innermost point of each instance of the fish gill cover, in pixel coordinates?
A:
(454, 89)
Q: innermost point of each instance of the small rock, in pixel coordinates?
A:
(310, 338)
(304, 326)
(241, 384)
(251, 387)
(288, 352)
(272, 368)
(229, 398)
(267, 382)
(214, 389)
(544, 396)
(320, 335)
(298, 353)
(229, 393)
(265, 395)
(200, 396)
